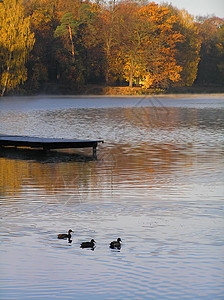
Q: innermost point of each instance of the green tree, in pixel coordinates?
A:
(41, 64)
(16, 41)
(220, 47)
(77, 46)
(67, 52)
(89, 41)
(67, 30)
(209, 65)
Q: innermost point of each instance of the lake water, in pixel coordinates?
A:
(157, 184)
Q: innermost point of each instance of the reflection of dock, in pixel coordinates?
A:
(47, 143)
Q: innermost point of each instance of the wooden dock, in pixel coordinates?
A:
(47, 143)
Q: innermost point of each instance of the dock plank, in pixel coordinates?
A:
(47, 143)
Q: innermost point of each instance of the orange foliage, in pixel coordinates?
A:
(147, 45)
(153, 45)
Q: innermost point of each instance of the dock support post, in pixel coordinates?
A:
(94, 151)
(46, 149)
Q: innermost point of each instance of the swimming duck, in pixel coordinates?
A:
(90, 244)
(65, 235)
(116, 244)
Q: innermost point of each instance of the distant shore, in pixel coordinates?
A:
(108, 91)
(102, 90)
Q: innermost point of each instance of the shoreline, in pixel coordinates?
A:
(98, 90)
(171, 95)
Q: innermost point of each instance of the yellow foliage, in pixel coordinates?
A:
(16, 41)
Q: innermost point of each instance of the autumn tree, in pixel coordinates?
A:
(118, 42)
(63, 7)
(125, 59)
(160, 48)
(108, 34)
(188, 51)
(148, 45)
(16, 41)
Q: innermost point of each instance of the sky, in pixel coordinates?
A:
(199, 7)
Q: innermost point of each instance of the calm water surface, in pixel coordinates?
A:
(157, 184)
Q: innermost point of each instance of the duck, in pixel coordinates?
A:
(65, 235)
(116, 244)
(90, 244)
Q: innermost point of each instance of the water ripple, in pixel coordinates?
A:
(157, 184)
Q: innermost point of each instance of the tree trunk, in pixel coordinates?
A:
(131, 73)
(107, 73)
(6, 81)
(7, 76)
(73, 48)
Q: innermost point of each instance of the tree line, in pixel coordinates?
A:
(64, 45)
